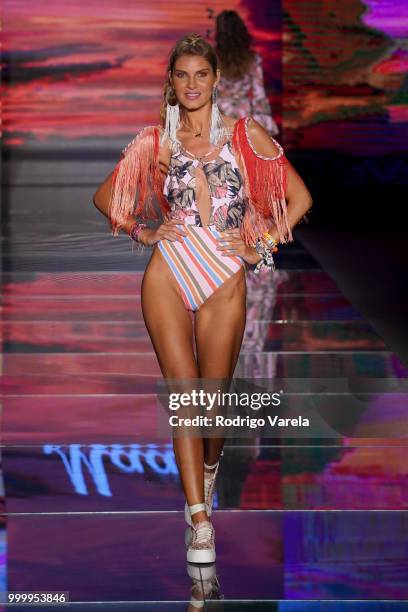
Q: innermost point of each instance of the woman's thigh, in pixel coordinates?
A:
(219, 328)
(168, 322)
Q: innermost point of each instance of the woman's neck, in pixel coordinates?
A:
(196, 122)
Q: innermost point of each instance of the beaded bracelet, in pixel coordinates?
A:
(135, 230)
(266, 263)
(265, 247)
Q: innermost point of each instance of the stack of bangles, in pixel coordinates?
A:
(135, 230)
(265, 246)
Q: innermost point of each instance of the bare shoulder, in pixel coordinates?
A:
(262, 143)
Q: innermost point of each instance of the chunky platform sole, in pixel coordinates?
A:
(201, 556)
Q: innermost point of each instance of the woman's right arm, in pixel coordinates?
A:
(101, 196)
(147, 236)
(101, 199)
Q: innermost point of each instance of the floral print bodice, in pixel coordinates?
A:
(204, 189)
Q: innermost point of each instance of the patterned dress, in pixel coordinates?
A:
(247, 97)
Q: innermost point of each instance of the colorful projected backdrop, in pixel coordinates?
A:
(90, 72)
(86, 69)
(345, 81)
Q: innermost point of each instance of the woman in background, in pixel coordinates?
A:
(241, 88)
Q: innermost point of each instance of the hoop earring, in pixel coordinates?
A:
(217, 126)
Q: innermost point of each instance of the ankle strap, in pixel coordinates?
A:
(197, 508)
(211, 467)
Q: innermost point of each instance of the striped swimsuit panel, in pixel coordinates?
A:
(197, 266)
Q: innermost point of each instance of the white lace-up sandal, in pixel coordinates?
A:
(201, 548)
(209, 484)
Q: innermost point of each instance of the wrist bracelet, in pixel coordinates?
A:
(135, 230)
(270, 241)
(266, 263)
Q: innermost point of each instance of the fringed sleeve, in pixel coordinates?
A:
(265, 180)
(137, 174)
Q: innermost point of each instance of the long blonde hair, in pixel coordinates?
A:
(191, 44)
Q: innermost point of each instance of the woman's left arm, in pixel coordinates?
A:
(297, 196)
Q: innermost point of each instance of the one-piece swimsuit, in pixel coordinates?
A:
(207, 194)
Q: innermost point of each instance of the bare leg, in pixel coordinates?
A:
(171, 330)
(220, 326)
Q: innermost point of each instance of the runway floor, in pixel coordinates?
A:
(92, 501)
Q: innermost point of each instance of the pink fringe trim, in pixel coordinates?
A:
(265, 185)
(137, 174)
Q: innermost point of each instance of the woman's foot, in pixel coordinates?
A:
(201, 540)
(201, 548)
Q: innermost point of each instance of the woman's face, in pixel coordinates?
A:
(193, 81)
